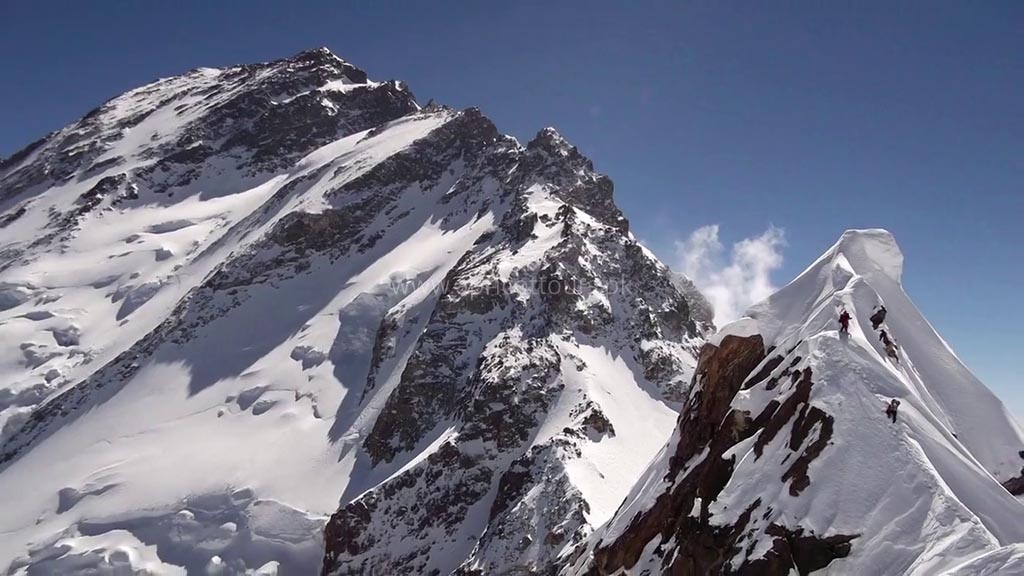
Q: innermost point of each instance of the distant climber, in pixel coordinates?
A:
(890, 345)
(892, 408)
(878, 317)
(844, 322)
(890, 350)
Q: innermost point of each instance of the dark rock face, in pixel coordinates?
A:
(447, 487)
(807, 417)
(1016, 485)
(695, 543)
(792, 548)
(558, 162)
(488, 365)
(105, 187)
(700, 308)
(720, 373)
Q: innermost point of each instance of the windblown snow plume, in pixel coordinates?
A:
(735, 281)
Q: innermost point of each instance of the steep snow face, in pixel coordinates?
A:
(109, 222)
(932, 374)
(784, 457)
(241, 297)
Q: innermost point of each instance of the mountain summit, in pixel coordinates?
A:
(784, 459)
(240, 297)
(281, 319)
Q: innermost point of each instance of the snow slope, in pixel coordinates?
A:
(800, 468)
(239, 298)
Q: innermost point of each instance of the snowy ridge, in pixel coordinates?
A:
(108, 224)
(932, 374)
(229, 291)
(799, 468)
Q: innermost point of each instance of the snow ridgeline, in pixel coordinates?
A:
(213, 357)
(791, 463)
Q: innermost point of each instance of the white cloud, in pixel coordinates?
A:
(733, 284)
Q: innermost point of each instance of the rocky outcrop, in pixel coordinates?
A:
(700, 308)
(489, 367)
(688, 537)
(1016, 485)
(553, 160)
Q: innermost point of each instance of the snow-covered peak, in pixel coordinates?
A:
(320, 53)
(239, 296)
(550, 138)
(208, 125)
(325, 61)
(549, 143)
(868, 262)
(860, 274)
(784, 453)
(872, 253)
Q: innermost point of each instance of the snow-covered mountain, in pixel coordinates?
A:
(279, 318)
(239, 301)
(784, 460)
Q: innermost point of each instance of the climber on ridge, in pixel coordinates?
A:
(892, 408)
(878, 317)
(890, 349)
(890, 345)
(844, 322)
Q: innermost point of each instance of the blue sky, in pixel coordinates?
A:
(806, 117)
